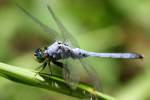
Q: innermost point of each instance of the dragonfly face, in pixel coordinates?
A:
(39, 55)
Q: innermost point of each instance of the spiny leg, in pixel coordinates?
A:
(59, 64)
(41, 66)
(50, 68)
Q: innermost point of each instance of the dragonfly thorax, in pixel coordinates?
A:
(58, 50)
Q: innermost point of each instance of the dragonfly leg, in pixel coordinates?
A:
(50, 68)
(45, 74)
(66, 72)
(42, 66)
(59, 64)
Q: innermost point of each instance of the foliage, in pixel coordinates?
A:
(98, 25)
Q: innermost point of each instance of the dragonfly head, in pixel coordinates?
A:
(39, 55)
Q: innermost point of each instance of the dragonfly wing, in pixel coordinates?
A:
(71, 72)
(37, 21)
(66, 35)
(92, 74)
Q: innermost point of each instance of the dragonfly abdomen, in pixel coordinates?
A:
(117, 55)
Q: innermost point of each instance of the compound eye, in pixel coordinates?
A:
(38, 52)
(39, 55)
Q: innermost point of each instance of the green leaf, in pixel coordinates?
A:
(53, 83)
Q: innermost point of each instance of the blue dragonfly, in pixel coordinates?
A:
(65, 52)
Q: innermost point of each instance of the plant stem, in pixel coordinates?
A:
(53, 83)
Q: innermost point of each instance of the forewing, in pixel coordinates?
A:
(66, 35)
(71, 68)
(47, 29)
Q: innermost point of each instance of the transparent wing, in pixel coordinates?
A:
(66, 35)
(47, 29)
(71, 72)
(92, 74)
(72, 67)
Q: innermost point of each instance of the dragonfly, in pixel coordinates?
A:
(68, 48)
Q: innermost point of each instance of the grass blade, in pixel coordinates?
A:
(53, 83)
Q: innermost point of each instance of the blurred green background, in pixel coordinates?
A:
(98, 25)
